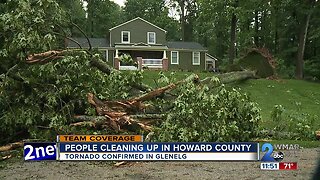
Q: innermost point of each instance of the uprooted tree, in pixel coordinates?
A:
(45, 91)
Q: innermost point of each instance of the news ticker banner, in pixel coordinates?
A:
(126, 148)
(141, 151)
(144, 151)
(132, 148)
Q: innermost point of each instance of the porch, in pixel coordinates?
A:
(155, 64)
(144, 58)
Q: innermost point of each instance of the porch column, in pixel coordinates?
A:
(116, 61)
(164, 54)
(139, 60)
(116, 55)
(165, 61)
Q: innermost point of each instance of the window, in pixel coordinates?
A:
(151, 37)
(196, 58)
(104, 54)
(174, 57)
(125, 37)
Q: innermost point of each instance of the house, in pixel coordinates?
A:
(146, 43)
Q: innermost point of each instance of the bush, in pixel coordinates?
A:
(312, 68)
(293, 125)
(285, 71)
(203, 115)
(126, 60)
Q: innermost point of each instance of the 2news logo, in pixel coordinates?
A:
(39, 151)
(277, 156)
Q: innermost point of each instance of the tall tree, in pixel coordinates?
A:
(233, 30)
(187, 10)
(154, 11)
(75, 13)
(306, 12)
(102, 15)
(211, 28)
(276, 11)
(146, 9)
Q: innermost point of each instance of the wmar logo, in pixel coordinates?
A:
(278, 156)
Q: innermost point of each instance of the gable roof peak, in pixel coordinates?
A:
(138, 18)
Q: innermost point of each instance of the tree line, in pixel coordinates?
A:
(289, 29)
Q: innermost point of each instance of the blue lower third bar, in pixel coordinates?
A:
(160, 147)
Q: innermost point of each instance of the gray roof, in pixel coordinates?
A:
(185, 45)
(104, 43)
(95, 43)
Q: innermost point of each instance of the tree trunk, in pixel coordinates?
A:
(276, 33)
(232, 50)
(301, 46)
(276, 42)
(11, 146)
(230, 77)
(256, 28)
(183, 19)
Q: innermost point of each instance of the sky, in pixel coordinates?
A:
(120, 2)
(172, 13)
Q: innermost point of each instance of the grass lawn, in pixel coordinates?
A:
(266, 93)
(291, 94)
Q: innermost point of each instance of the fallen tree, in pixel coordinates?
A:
(124, 115)
(128, 114)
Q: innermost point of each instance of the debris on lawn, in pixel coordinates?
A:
(318, 135)
(11, 146)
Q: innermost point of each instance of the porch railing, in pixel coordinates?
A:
(127, 68)
(149, 63)
(152, 63)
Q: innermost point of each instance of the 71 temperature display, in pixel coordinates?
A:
(279, 166)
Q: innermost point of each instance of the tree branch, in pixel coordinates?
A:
(102, 66)
(11, 146)
(69, 38)
(43, 57)
(90, 47)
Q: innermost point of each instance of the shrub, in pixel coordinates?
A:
(127, 60)
(312, 68)
(284, 70)
(293, 125)
(203, 115)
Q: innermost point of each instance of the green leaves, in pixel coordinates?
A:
(27, 28)
(203, 114)
(101, 16)
(297, 125)
(50, 93)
